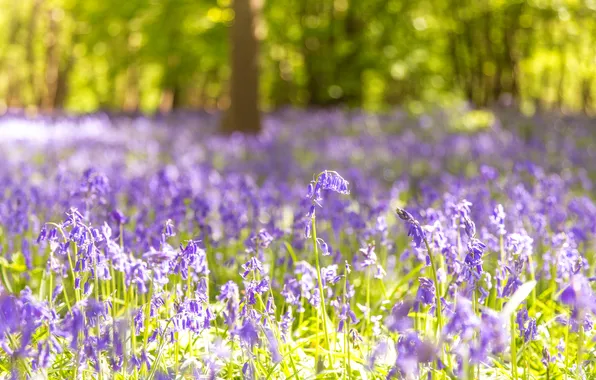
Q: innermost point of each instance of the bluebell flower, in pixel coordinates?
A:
(119, 217)
(472, 270)
(248, 371)
(292, 293)
(327, 180)
(315, 298)
(497, 219)
(345, 314)
(169, 229)
(248, 333)
(273, 346)
(42, 234)
(253, 265)
(285, 325)
(493, 337)
(254, 288)
(426, 291)
(330, 180)
(463, 321)
(323, 246)
(469, 228)
(526, 325)
(514, 281)
(520, 245)
(415, 231)
(398, 320)
(547, 358)
(307, 227)
(329, 275)
(311, 211)
(411, 351)
(258, 241)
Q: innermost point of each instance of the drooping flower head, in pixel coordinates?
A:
(426, 291)
(326, 180)
(330, 180)
(415, 229)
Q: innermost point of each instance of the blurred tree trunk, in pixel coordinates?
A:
(64, 75)
(586, 94)
(562, 77)
(512, 31)
(30, 54)
(132, 96)
(62, 83)
(243, 114)
(12, 91)
(316, 57)
(51, 61)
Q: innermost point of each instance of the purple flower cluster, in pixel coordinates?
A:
(161, 250)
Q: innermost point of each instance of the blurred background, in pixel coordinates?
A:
(159, 55)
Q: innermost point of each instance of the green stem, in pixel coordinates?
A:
(125, 295)
(580, 344)
(72, 273)
(317, 343)
(513, 349)
(66, 298)
(5, 281)
(320, 281)
(438, 311)
(567, 344)
(51, 289)
(347, 330)
(147, 319)
(368, 312)
(231, 361)
(532, 300)
(133, 332)
(176, 358)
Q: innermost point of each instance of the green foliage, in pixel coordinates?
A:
(158, 54)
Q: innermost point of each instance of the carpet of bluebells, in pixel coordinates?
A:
(332, 245)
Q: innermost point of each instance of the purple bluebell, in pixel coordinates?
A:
(497, 219)
(229, 293)
(253, 265)
(248, 333)
(426, 291)
(346, 314)
(493, 337)
(415, 231)
(398, 320)
(411, 352)
(323, 247)
(273, 346)
(526, 325)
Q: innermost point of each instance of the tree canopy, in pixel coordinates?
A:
(149, 55)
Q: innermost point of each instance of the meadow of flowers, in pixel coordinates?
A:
(333, 245)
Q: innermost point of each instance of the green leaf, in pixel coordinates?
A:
(291, 251)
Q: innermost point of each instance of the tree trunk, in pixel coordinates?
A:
(12, 95)
(243, 114)
(586, 94)
(52, 62)
(31, 29)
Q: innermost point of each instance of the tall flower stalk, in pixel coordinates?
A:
(326, 180)
(415, 231)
